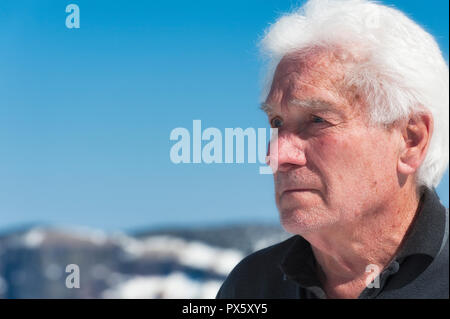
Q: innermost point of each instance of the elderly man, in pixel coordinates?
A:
(359, 95)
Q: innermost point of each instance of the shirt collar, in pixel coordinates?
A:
(425, 234)
(299, 263)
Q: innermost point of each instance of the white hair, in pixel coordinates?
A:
(399, 70)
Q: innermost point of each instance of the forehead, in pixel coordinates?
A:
(316, 76)
(315, 65)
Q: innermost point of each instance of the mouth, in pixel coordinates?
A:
(297, 190)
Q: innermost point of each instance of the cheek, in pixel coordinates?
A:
(332, 153)
(353, 160)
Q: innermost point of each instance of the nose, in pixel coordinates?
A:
(290, 152)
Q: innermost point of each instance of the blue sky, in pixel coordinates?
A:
(85, 114)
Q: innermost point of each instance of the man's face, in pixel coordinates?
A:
(333, 167)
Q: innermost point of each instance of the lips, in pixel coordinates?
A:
(297, 182)
(288, 191)
(295, 190)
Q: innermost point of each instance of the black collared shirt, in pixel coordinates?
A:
(419, 270)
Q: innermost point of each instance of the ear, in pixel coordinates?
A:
(416, 135)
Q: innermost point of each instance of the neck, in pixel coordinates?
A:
(344, 251)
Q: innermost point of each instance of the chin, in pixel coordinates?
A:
(302, 221)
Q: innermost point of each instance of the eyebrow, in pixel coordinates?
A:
(314, 104)
(266, 107)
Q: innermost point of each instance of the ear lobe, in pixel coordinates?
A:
(416, 139)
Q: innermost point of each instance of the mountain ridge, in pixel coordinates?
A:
(146, 264)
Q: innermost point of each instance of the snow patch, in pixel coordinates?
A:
(173, 286)
(33, 238)
(188, 253)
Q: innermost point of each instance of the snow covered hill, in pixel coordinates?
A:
(186, 263)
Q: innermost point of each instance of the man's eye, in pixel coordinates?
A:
(316, 119)
(276, 122)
